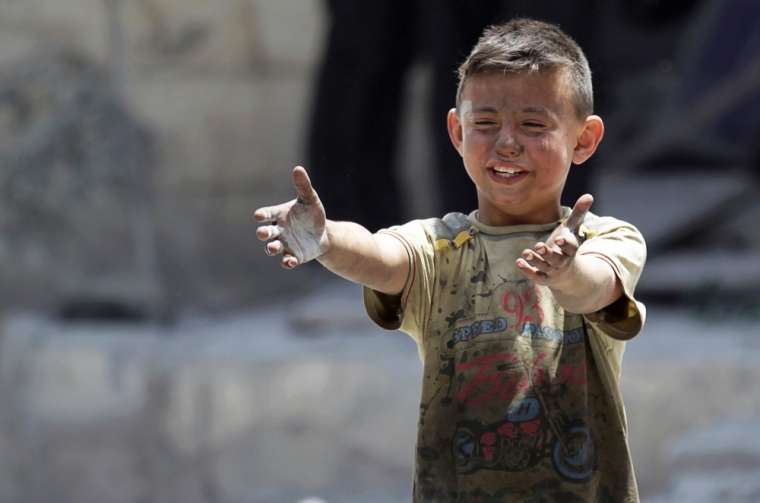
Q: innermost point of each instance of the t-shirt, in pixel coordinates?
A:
(520, 399)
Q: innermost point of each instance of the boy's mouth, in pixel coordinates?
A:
(506, 172)
(506, 175)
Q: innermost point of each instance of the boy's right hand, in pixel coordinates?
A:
(298, 226)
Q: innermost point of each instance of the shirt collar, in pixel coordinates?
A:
(514, 229)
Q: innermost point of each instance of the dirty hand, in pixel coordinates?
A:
(550, 263)
(297, 227)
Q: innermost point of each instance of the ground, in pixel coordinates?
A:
(305, 398)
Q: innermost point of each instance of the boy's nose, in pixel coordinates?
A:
(507, 145)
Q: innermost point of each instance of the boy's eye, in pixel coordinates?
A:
(533, 124)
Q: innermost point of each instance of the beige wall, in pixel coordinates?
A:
(224, 89)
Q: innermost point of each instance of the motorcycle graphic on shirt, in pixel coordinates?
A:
(534, 428)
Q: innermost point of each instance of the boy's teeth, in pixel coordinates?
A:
(506, 171)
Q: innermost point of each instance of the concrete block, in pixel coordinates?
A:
(78, 24)
(224, 138)
(666, 206)
(691, 270)
(225, 39)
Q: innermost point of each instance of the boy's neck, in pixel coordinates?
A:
(499, 218)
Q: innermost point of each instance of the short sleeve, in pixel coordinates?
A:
(622, 246)
(410, 311)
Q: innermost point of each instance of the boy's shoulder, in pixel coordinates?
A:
(454, 229)
(453, 223)
(606, 224)
(436, 229)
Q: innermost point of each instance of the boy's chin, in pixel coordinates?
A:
(510, 203)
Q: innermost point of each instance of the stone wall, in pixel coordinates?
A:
(223, 91)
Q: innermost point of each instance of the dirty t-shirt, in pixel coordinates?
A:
(520, 399)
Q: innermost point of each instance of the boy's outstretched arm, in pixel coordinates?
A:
(581, 284)
(299, 230)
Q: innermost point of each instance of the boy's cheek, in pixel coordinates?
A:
(477, 139)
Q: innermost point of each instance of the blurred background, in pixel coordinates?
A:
(151, 352)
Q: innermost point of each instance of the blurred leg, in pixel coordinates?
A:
(353, 133)
(458, 25)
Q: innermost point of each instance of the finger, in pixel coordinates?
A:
(273, 248)
(268, 214)
(531, 272)
(552, 255)
(579, 212)
(289, 261)
(306, 193)
(534, 260)
(267, 232)
(569, 247)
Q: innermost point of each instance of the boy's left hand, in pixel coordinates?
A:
(550, 263)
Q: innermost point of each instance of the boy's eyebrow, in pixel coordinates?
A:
(527, 110)
(485, 109)
(537, 110)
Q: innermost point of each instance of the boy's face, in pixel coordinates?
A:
(518, 135)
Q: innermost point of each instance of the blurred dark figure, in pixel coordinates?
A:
(353, 135)
(655, 13)
(454, 27)
(371, 46)
(357, 112)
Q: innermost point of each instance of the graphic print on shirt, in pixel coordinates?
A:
(519, 305)
(520, 358)
(534, 428)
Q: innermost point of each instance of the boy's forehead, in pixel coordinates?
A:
(538, 91)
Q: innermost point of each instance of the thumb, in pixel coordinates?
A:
(579, 212)
(306, 193)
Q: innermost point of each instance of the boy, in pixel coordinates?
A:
(519, 310)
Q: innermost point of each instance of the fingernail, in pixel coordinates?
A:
(560, 241)
(541, 250)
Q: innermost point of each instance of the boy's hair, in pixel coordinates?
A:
(526, 45)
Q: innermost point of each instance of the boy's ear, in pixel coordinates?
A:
(588, 140)
(456, 133)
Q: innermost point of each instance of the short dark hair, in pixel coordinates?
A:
(527, 45)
